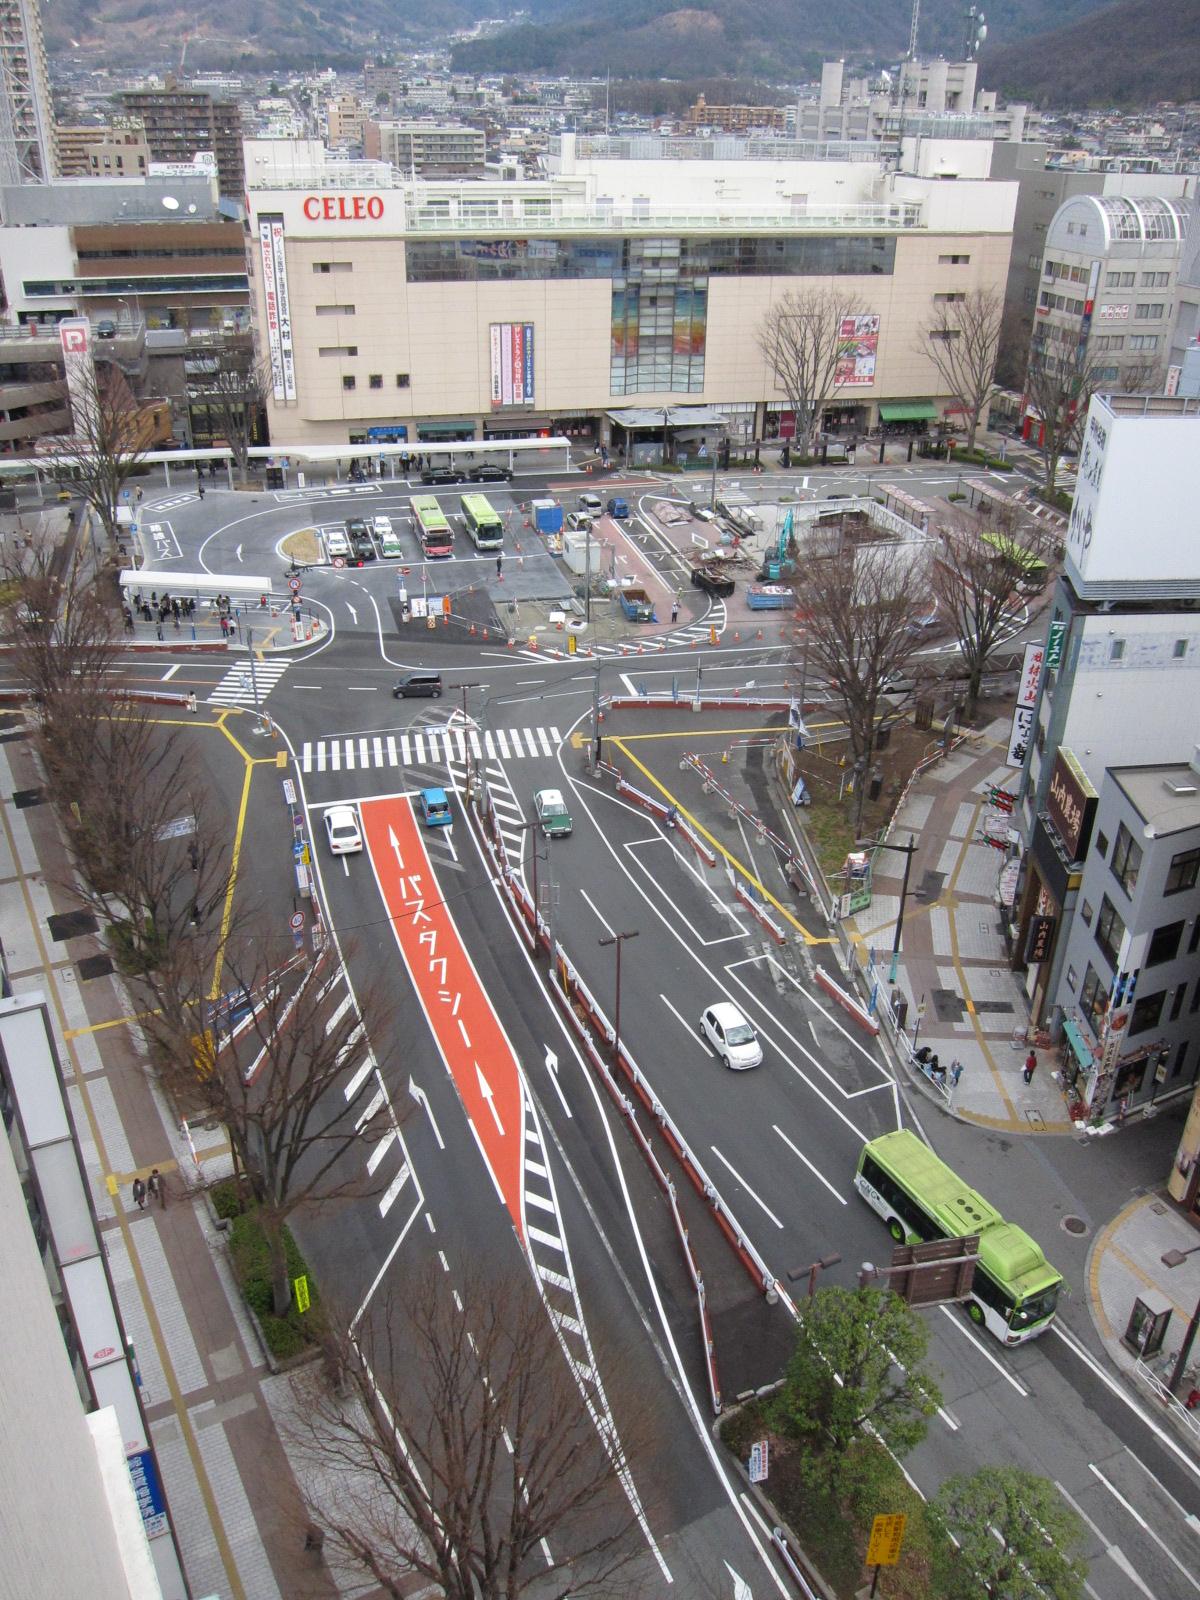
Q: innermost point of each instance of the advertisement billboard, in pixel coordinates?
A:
(511, 345)
(858, 346)
(1022, 722)
(277, 308)
(1135, 491)
(1071, 804)
(75, 338)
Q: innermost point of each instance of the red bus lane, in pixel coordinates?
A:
(472, 1042)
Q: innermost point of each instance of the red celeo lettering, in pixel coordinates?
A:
(343, 207)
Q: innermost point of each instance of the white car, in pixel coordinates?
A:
(732, 1038)
(336, 544)
(381, 526)
(341, 825)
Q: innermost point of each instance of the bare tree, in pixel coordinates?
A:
(803, 341)
(859, 599)
(962, 339)
(471, 1459)
(112, 434)
(974, 581)
(1059, 382)
(233, 385)
(268, 1056)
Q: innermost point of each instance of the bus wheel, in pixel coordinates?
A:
(896, 1229)
(975, 1312)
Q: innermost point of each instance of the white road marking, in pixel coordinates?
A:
(1143, 1524)
(686, 1026)
(800, 1153)
(170, 672)
(380, 1150)
(760, 1203)
(960, 1326)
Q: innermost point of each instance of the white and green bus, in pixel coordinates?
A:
(433, 527)
(483, 523)
(1015, 1290)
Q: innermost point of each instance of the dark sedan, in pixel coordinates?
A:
(713, 581)
(441, 475)
(490, 472)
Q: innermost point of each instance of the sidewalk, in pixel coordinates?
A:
(953, 959)
(213, 1405)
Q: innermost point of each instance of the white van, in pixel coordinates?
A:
(336, 543)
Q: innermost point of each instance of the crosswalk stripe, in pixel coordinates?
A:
(380, 1150)
(339, 1013)
(306, 757)
(393, 1190)
(428, 747)
(393, 756)
(502, 742)
(406, 748)
(377, 743)
(356, 1082)
(531, 742)
(349, 755)
(419, 747)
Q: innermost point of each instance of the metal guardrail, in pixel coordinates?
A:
(1179, 1412)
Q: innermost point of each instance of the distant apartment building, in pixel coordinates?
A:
(428, 149)
(1108, 280)
(734, 119)
(382, 80)
(934, 100)
(345, 122)
(180, 122)
(75, 145)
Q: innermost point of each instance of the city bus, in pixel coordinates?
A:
(485, 525)
(433, 529)
(1015, 1292)
(1030, 571)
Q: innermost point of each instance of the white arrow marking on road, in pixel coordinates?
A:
(485, 1090)
(238, 552)
(351, 610)
(422, 1099)
(741, 1589)
(395, 844)
(552, 1064)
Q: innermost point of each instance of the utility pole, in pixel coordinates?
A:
(618, 939)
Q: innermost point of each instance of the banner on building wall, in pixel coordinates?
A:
(858, 346)
(75, 338)
(1022, 723)
(277, 310)
(512, 363)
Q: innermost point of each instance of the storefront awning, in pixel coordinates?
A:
(676, 417)
(908, 411)
(1079, 1046)
(445, 430)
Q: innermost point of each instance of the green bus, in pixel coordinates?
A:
(433, 529)
(1015, 1291)
(1030, 570)
(484, 524)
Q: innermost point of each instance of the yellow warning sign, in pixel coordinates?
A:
(887, 1539)
(300, 1290)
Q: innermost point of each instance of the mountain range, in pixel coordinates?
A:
(1130, 54)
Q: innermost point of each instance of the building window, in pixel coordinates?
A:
(1110, 930)
(334, 311)
(348, 381)
(1180, 1057)
(376, 380)
(333, 266)
(1087, 912)
(1179, 650)
(1101, 844)
(954, 261)
(1093, 998)
(1177, 1002)
(402, 380)
(1155, 280)
(1194, 941)
(1127, 860)
(1107, 374)
(1147, 1012)
(1164, 944)
(337, 349)
(950, 299)
(1182, 872)
(1151, 312)
(1118, 280)
(1143, 341)
(1116, 650)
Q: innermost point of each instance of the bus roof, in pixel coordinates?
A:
(426, 509)
(480, 507)
(1008, 1252)
(1011, 550)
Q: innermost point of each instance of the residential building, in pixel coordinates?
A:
(734, 119)
(345, 122)
(617, 283)
(1108, 288)
(1130, 993)
(428, 149)
(180, 122)
(1119, 678)
(383, 80)
(106, 151)
(27, 146)
(75, 145)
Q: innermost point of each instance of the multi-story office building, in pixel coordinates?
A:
(934, 99)
(1120, 676)
(180, 122)
(428, 149)
(117, 151)
(27, 146)
(1108, 288)
(617, 284)
(345, 122)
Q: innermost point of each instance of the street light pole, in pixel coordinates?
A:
(909, 851)
(618, 939)
(796, 1273)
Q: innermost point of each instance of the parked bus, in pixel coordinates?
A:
(433, 529)
(484, 524)
(1015, 1291)
(1030, 571)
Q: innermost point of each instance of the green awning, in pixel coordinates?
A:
(1079, 1047)
(908, 411)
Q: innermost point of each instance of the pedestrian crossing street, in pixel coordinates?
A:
(237, 687)
(425, 747)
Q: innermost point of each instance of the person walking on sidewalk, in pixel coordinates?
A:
(139, 1193)
(674, 610)
(1030, 1066)
(500, 566)
(156, 1187)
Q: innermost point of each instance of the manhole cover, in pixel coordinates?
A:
(1074, 1225)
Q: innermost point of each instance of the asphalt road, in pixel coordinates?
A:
(780, 1142)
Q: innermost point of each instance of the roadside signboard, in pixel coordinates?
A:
(760, 1460)
(887, 1540)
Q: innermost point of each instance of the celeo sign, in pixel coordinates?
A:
(343, 207)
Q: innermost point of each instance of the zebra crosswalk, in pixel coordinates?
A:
(237, 687)
(426, 746)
